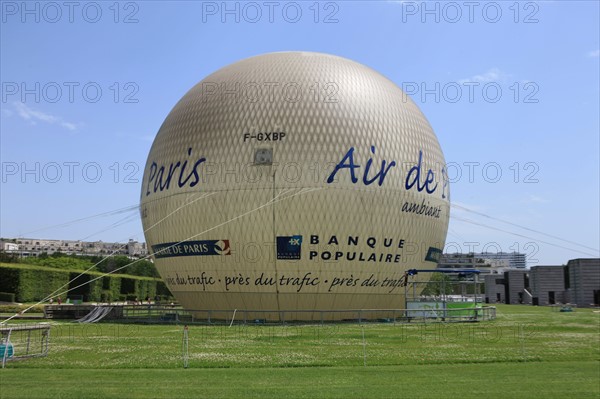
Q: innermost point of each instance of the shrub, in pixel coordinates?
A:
(7, 297)
(26, 283)
(17, 308)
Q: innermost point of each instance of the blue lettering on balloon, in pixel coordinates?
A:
(414, 177)
(342, 165)
(348, 163)
(381, 174)
(159, 179)
(445, 188)
(151, 177)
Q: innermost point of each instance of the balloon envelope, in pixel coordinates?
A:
(294, 182)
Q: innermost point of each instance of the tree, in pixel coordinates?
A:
(439, 284)
(8, 257)
(143, 268)
(113, 263)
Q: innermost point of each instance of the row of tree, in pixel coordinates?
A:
(120, 263)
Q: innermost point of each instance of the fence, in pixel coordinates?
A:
(171, 314)
(22, 341)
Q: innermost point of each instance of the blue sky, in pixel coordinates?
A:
(84, 91)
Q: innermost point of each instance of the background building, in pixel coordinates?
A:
(486, 262)
(583, 281)
(8, 246)
(576, 283)
(26, 247)
(510, 287)
(548, 285)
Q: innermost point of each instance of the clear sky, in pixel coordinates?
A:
(510, 88)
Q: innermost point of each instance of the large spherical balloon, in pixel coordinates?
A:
(294, 183)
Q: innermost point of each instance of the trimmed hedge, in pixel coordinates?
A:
(14, 308)
(30, 283)
(7, 297)
(36, 284)
(9, 280)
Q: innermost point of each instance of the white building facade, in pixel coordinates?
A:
(26, 247)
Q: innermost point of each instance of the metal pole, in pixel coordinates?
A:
(185, 348)
(46, 341)
(444, 296)
(28, 342)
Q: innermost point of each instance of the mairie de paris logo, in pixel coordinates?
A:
(192, 248)
(222, 247)
(289, 247)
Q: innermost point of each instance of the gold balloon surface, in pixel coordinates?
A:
(294, 182)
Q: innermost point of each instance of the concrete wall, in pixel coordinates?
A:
(582, 287)
(510, 286)
(584, 279)
(546, 279)
(516, 287)
(492, 289)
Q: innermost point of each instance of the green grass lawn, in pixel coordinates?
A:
(527, 352)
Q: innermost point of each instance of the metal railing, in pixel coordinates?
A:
(173, 314)
(22, 341)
